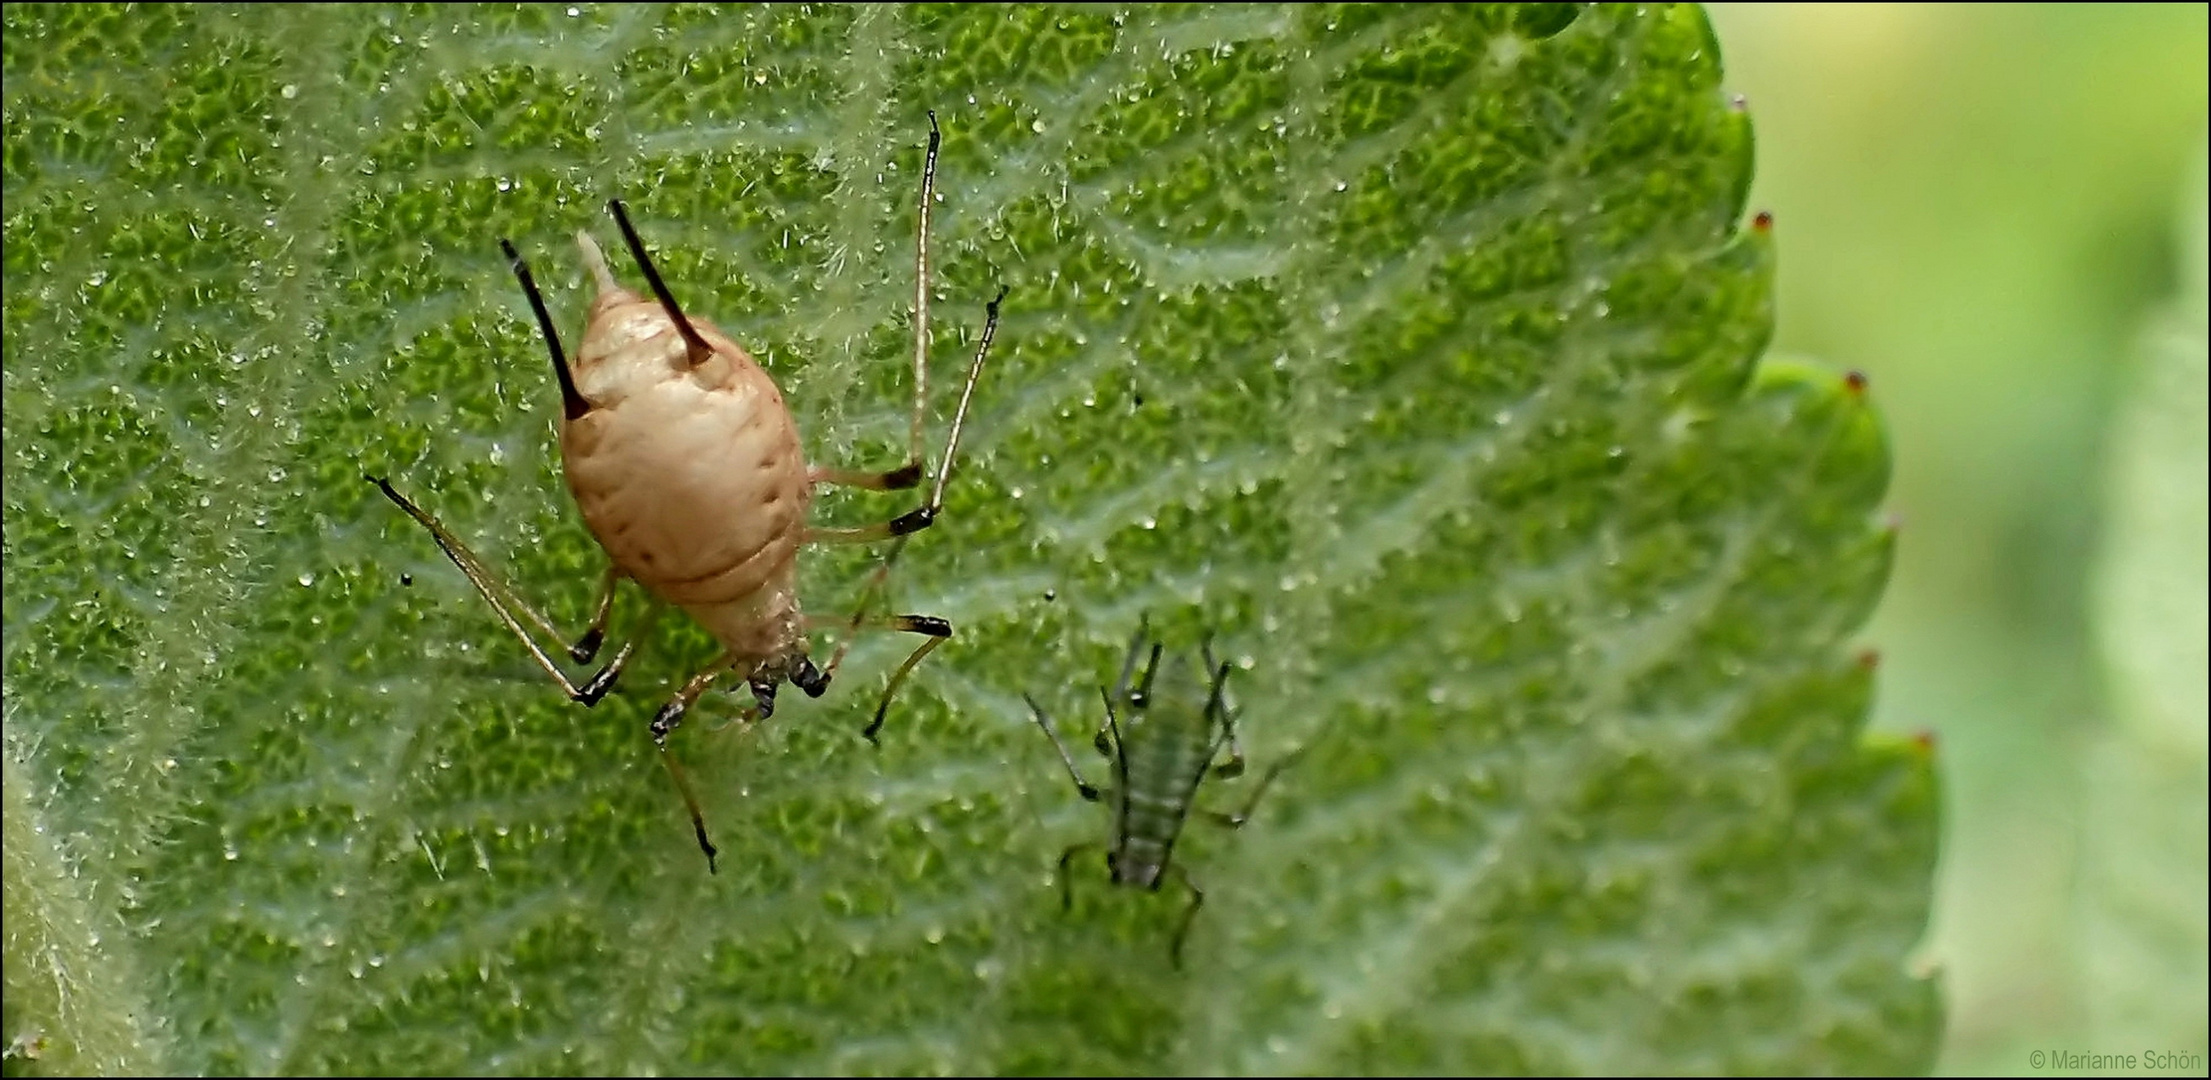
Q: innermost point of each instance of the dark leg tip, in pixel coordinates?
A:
(600, 684)
(813, 680)
(904, 476)
(587, 646)
(913, 521)
(926, 624)
(665, 721)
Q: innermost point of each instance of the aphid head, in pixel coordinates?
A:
(1174, 681)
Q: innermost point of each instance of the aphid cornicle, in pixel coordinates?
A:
(1161, 753)
(687, 468)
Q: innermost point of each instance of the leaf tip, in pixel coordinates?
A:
(1925, 968)
(1763, 222)
(1925, 742)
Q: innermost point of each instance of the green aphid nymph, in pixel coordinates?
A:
(1163, 736)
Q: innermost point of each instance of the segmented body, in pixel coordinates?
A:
(1162, 736)
(686, 467)
(1168, 738)
(690, 476)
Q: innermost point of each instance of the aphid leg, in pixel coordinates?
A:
(815, 681)
(602, 680)
(1082, 786)
(665, 721)
(690, 803)
(1189, 914)
(1121, 685)
(587, 646)
(763, 696)
(900, 528)
(938, 630)
(670, 715)
(1066, 883)
(1237, 819)
(1119, 749)
(925, 515)
(921, 316)
(1137, 699)
(694, 345)
(908, 474)
(809, 678)
(898, 479)
(860, 535)
(505, 603)
(1234, 766)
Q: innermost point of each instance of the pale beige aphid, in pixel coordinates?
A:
(687, 468)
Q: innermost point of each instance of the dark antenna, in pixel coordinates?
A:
(1216, 708)
(1120, 754)
(572, 401)
(1220, 682)
(1151, 668)
(699, 350)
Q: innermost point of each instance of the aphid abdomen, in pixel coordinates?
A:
(690, 478)
(1153, 809)
(686, 467)
(1142, 858)
(1165, 747)
(1162, 743)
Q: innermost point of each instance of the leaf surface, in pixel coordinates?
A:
(1412, 351)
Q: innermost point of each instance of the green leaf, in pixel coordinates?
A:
(1413, 351)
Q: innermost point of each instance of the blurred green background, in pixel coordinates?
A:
(1992, 210)
(1997, 213)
